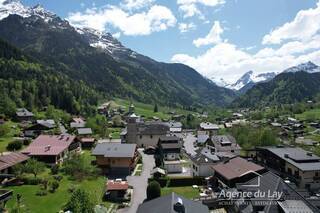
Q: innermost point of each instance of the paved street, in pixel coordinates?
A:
(189, 141)
(139, 183)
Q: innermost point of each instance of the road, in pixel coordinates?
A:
(139, 184)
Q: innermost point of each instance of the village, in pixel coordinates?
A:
(237, 163)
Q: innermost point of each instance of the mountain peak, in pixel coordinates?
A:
(308, 67)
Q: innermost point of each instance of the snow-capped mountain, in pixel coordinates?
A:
(219, 82)
(9, 7)
(308, 67)
(95, 38)
(250, 78)
(106, 42)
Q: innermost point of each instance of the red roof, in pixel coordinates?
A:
(87, 140)
(235, 168)
(117, 185)
(49, 145)
(11, 159)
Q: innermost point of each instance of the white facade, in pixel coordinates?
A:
(173, 166)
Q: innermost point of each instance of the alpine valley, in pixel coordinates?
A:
(96, 59)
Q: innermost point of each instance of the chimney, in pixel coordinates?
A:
(178, 206)
(47, 148)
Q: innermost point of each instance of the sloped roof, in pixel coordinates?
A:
(49, 145)
(84, 131)
(113, 185)
(22, 112)
(236, 167)
(11, 159)
(165, 204)
(115, 150)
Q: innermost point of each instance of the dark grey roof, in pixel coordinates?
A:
(270, 183)
(165, 204)
(47, 123)
(205, 156)
(298, 157)
(119, 150)
(153, 128)
(22, 112)
(202, 138)
(84, 131)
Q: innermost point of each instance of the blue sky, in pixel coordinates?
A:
(246, 34)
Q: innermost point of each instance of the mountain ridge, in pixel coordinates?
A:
(114, 71)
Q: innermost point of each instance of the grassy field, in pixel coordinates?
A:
(53, 202)
(146, 110)
(14, 130)
(185, 191)
(310, 114)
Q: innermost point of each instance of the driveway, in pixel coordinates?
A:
(189, 141)
(139, 184)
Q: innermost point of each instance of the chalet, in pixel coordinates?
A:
(116, 158)
(236, 170)
(209, 128)
(40, 127)
(142, 133)
(77, 123)
(23, 114)
(170, 151)
(84, 135)
(224, 143)
(117, 190)
(300, 166)
(170, 147)
(172, 203)
(202, 162)
(288, 200)
(52, 149)
(8, 160)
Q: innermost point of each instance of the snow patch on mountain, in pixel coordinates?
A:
(308, 67)
(249, 78)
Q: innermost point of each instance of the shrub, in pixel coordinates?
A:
(41, 193)
(54, 185)
(26, 142)
(14, 145)
(58, 177)
(32, 181)
(153, 190)
(54, 169)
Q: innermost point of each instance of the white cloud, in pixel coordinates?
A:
(157, 18)
(190, 7)
(305, 25)
(297, 41)
(214, 36)
(185, 27)
(136, 4)
(116, 35)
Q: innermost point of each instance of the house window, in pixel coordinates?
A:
(151, 136)
(113, 162)
(316, 174)
(140, 136)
